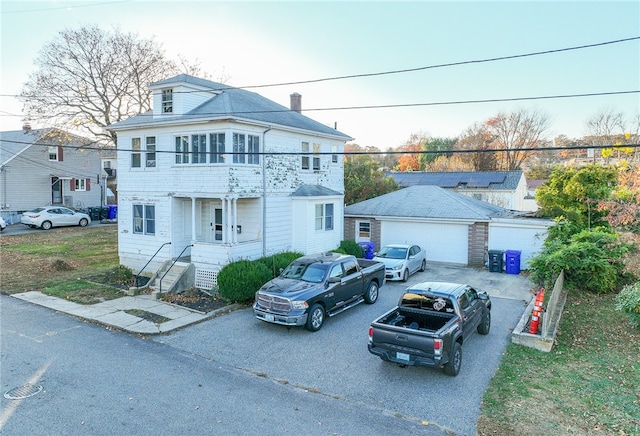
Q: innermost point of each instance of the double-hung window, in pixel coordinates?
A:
(304, 159)
(150, 155)
(239, 148)
(135, 152)
(80, 185)
(254, 150)
(198, 149)
(316, 159)
(55, 153)
(324, 216)
(167, 101)
(144, 219)
(334, 154)
(216, 142)
(182, 149)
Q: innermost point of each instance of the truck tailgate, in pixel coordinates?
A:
(403, 345)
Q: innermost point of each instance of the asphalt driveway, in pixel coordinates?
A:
(335, 361)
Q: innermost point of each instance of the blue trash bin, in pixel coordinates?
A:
(512, 261)
(367, 248)
(113, 212)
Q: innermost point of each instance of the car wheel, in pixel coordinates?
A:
(405, 275)
(452, 367)
(83, 222)
(46, 225)
(316, 318)
(371, 296)
(423, 265)
(485, 324)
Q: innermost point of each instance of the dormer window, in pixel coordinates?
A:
(167, 101)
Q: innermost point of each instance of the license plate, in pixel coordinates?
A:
(269, 317)
(402, 356)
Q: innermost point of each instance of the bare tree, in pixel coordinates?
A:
(89, 78)
(608, 127)
(516, 132)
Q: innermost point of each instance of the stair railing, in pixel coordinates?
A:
(169, 269)
(147, 264)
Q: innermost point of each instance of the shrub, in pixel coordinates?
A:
(591, 261)
(238, 281)
(279, 261)
(350, 247)
(628, 301)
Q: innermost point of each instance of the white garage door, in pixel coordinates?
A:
(526, 239)
(442, 242)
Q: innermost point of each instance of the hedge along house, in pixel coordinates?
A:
(216, 174)
(451, 227)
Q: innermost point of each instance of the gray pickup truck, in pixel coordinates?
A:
(430, 324)
(315, 286)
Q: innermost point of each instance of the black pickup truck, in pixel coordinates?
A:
(315, 286)
(430, 324)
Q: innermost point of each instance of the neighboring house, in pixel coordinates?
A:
(220, 173)
(451, 227)
(530, 202)
(506, 189)
(47, 167)
(109, 176)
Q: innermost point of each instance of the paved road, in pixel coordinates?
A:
(335, 361)
(101, 382)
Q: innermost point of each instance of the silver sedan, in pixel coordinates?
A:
(401, 260)
(54, 216)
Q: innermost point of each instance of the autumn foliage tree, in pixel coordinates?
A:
(365, 179)
(623, 209)
(478, 141)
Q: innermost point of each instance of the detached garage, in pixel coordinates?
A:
(451, 227)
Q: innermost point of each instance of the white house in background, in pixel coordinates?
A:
(216, 174)
(506, 189)
(40, 167)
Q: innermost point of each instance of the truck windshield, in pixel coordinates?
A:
(313, 272)
(393, 253)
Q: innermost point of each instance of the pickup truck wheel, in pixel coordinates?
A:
(405, 275)
(371, 296)
(316, 318)
(485, 324)
(452, 367)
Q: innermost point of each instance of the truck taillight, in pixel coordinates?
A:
(370, 333)
(437, 346)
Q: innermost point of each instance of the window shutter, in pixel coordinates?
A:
(60, 153)
(72, 185)
(87, 185)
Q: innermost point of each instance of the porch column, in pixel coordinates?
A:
(228, 224)
(193, 219)
(234, 226)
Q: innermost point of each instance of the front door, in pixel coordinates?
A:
(56, 190)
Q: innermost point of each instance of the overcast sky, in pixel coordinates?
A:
(257, 43)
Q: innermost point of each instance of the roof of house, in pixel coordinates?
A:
(234, 103)
(493, 180)
(314, 191)
(14, 142)
(427, 202)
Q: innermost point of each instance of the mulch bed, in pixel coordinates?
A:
(194, 299)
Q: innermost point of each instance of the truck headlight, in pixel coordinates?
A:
(299, 305)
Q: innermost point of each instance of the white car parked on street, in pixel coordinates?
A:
(3, 224)
(54, 216)
(401, 260)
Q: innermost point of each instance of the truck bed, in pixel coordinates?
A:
(417, 319)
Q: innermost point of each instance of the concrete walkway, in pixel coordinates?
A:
(113, 313)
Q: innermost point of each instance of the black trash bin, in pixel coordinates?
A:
(94, 213)
(104, 213)
(496, 261)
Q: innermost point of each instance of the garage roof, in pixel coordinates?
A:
(427, 202)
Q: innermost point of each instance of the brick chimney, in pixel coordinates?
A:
(296, 102)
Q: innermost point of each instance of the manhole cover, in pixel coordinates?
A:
(23, 391)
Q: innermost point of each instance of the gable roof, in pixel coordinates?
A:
(427, 202)
(493, 180)
(15, 142)
(232, 103)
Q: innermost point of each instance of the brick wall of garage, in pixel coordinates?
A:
(478, 243)
(350, 229)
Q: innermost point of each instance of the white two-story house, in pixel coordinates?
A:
(216, 174)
